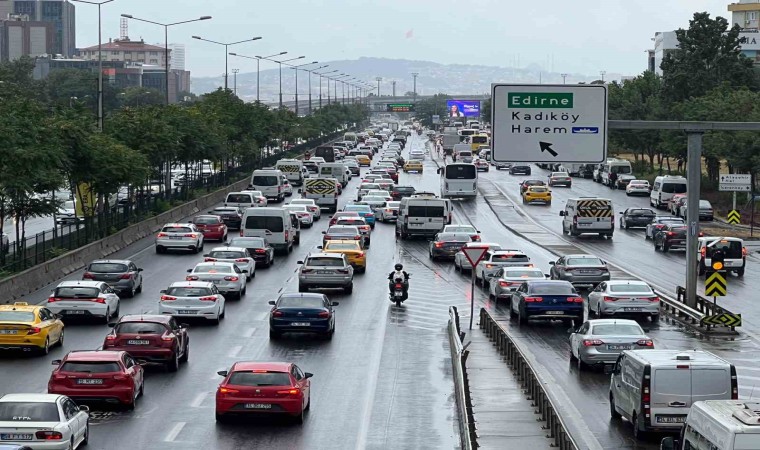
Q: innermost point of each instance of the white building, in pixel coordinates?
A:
(177, 52)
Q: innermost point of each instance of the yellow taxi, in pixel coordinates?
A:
(540, 194)
(363, 160)
(29, 327)
(353, 250)
(413, 166)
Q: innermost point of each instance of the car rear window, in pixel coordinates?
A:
(239, 198)
(177, 230)
(616, 330)
(539, 189)
(140, 328)
(28, 412)
(351, 222)
(454, 237)
(91, 366)
(460, 172)
(552, 289)
(301, 302)
(227, 255)
(206, 220)
(342, 246)
(674, 188)
(107, 268)
(16, 316)
(425, 211)
(637, 288)
(188, 291)
(584, 262)
(523, 274)
(247, 242)
(211, 268)
(324, 261)
(641, 212)
(730, 249)
(225, 212)
(510, 258)
(76, 292)
(455, 229)
(246, 378)
(272, 223)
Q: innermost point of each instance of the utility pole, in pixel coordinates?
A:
(234, 78)
(603, 73)
(564, 76)
(393, 83)
(414, 76)
(378, 79)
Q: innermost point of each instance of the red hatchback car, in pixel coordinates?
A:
(153, 338)
(98, 375)
(275, 388)
(342, 214)
(212, 227)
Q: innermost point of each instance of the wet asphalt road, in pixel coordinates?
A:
(383, 382)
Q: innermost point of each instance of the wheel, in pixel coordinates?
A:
(623, 224)
(646, 236)
(702, 268)
(173, 364)
(522, 319)
(581, 365)
(740, 272)
(160, 250)
(655, 318)
(186, 355)
(216, 320)
(599, 313)
(456, 266)
(512, 313)
(139, 288)
(308, 402)
(329, 335)
(195, 249)
(107, 317)
(349, 289)
(572, 356)
(86, 437)
(45, 347)
(131, 293)
(573, 232)
(638, 432)
(274, 334)
(242, 293)
(302, 288)
(665, 248)
(299, 418)
(220, 418)
(398, 303)
(613, 412)
(60, 338)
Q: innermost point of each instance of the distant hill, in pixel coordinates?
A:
(433, 78)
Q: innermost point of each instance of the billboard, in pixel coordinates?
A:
(463, 108)
(399, 107)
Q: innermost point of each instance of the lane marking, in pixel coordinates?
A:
(198, 400)
(249, 332)
(174, 432)
(234, 351)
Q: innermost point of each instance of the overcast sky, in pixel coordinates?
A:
(566, 36)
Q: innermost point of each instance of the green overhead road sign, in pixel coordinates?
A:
(549, 123)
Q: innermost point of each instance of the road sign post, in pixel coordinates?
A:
(473, 255)
(549, 123)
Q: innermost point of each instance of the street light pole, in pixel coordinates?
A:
(100, 59)
(414, 76)
(603, 73)
(234, 73)
(226, 49)
(564, 78)
(378, 79)
(296, 70)
(258, 61)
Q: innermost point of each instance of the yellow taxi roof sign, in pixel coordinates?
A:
(20, 304)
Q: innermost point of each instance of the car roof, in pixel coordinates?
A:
(613, 322)
(268, 366)
(20, 306)
(582, 255)
(186, 224)
(145, 318)
(32, 398)
(83, 283)
(216, 263)
(325, 255)
(94, 355)
(508, 252)
(229, 248)
(111, 261)
(302, 295)
(206, 284)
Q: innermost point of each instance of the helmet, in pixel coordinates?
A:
(399, 266)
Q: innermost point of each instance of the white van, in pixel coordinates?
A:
(291, 168)
(272, 224)
(269, 182)
(339, 171)
(352, 138)
(619, 166)
(720, 424)
(421, 216)
(663, 189)
(241, 200)
(654, 389)
(734, 253)
(462, 153)
(588, 215)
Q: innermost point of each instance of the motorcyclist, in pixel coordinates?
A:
(398, 274)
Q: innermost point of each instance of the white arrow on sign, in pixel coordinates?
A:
(474, 254)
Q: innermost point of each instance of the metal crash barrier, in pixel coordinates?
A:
(710, 313)
(467, 433)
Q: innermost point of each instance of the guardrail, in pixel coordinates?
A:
(467, 434)
(705, 307)
(679, 310)
(531, 381)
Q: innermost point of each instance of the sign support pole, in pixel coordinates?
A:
(733, 208)
(472, 295)
(694, 174)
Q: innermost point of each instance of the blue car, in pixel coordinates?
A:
(302, 313)
(546, 299)
(364, 211)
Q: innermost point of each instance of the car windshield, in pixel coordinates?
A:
(342, 246)
(226, 254)
(584, 262)
(140, 328)
(301, 302)
(239, 198)
(247, 378)
(29, 412)
(616, 329)
(324, 261)
(16, 316)
(212, 268)
(523, 274)
(206, 220)
(730, 249)
(102, 267)
(637, 288)
(265, 180)
(188, 291)
(76, 292)
(172, 229)
(90, 366)
(552, 289)
(247, 242)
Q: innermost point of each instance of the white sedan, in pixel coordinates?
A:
(637, 187)
(226, 277)
(310, 205)
(235, 255)
(43, 421)
(84, 299)
(192, 299)
(304, 215)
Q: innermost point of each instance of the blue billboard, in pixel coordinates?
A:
(463, 108)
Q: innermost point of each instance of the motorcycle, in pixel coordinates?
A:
(398, 293)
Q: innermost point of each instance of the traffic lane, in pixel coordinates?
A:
(630, 250)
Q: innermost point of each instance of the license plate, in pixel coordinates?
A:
(258, 406)
(15, 437)
(671, 419)
(618, 347)
(89, 381)
(585, 271)
(323, 272)
(632, 309)
(7, 331)
(186, 311)
(175, 237)
(300, 324)
(554, 313)
(75, 312)
(138, 342)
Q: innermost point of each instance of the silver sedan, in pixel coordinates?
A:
(600, 341)
(462, 264)
(508, 279)
(624, 298)
(227, 277)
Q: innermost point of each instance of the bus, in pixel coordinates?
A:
(459, 180)
(476, 140)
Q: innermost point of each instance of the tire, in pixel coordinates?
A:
(655, 318)
(623, 224)
(195, 249)
(613, 412)
(665, 248)
(220, 418)
(86, 437)
(398, 303)
(740, 272)
(572, 356)
(299, 418)
(638, 433)
(302, 288)
(107, 316)
(173, 364)
(573, 232)
(242, 293)
(61, 338)
(131, 293)
(599, 314)
(702, 268)
(349, 289)
(274, 335)
(215, 321)
(139, 288)
(45, 349)
(521, 318)
(186, 355)
(160, 250)
(512, 313)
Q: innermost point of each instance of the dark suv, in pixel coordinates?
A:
(672, 235)
(399, 192)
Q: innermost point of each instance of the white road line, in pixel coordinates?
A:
(249, 332)
(234, 351)
(745, 377)
(198, 400)
(174, 432)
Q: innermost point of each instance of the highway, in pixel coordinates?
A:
(384, 381)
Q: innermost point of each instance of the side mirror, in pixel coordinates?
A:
(319, 247)
(300, 190)
(111, 324)
(189, 270)
(84, 408)
(334, 304)
(571, 330)
(668, 443)
(56, 362)
(547, 275)
(562, 213)
(184, 325)
(551, 263)
(272, 302)
(190, 221)
(141, 362)
(299, 262)
(308, 375)
(222, 373)
(140, 270)
(324, 232)
(205, 255)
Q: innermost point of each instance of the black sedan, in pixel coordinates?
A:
(658, 223)
(671, 236)
(258, 248)
(399, 192)
(302, 313)
(519, 169)
(231, 216)
(446, 245)
(525, 184)
(636, 217)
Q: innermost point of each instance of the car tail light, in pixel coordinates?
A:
(277, 313)
(54, 299)
(703, 251)
(259, 250)
(190, 235)
(645, 343)
(344, 271)
(209, 259)
(356, 238)
(165, 298)
(287, 235)
(575, 220)
(224, 391)
(592, 342)
(489, 266)
(231, 278)
(438, 244)
(307, 270)
(48, 435)
(734, 384)
(534, 299)
(110, 337)
(360, 254)
(191, 278)
(575, 300)
(88, 276)
(324, 314)
(210, 298)
(293, 392)
(654, 299)
(98, 300)
(399, 286)
(169, 337)
(744, 252)
(646, 395)
(241, 232)
(241, 260)
(34, 330)
(126, 276)
(475, 237)
(328, 237)
(162, 235)
(610, 299)
(505, 283)
(670, 233)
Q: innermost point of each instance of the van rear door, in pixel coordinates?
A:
(426, 217)
(671, 396)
